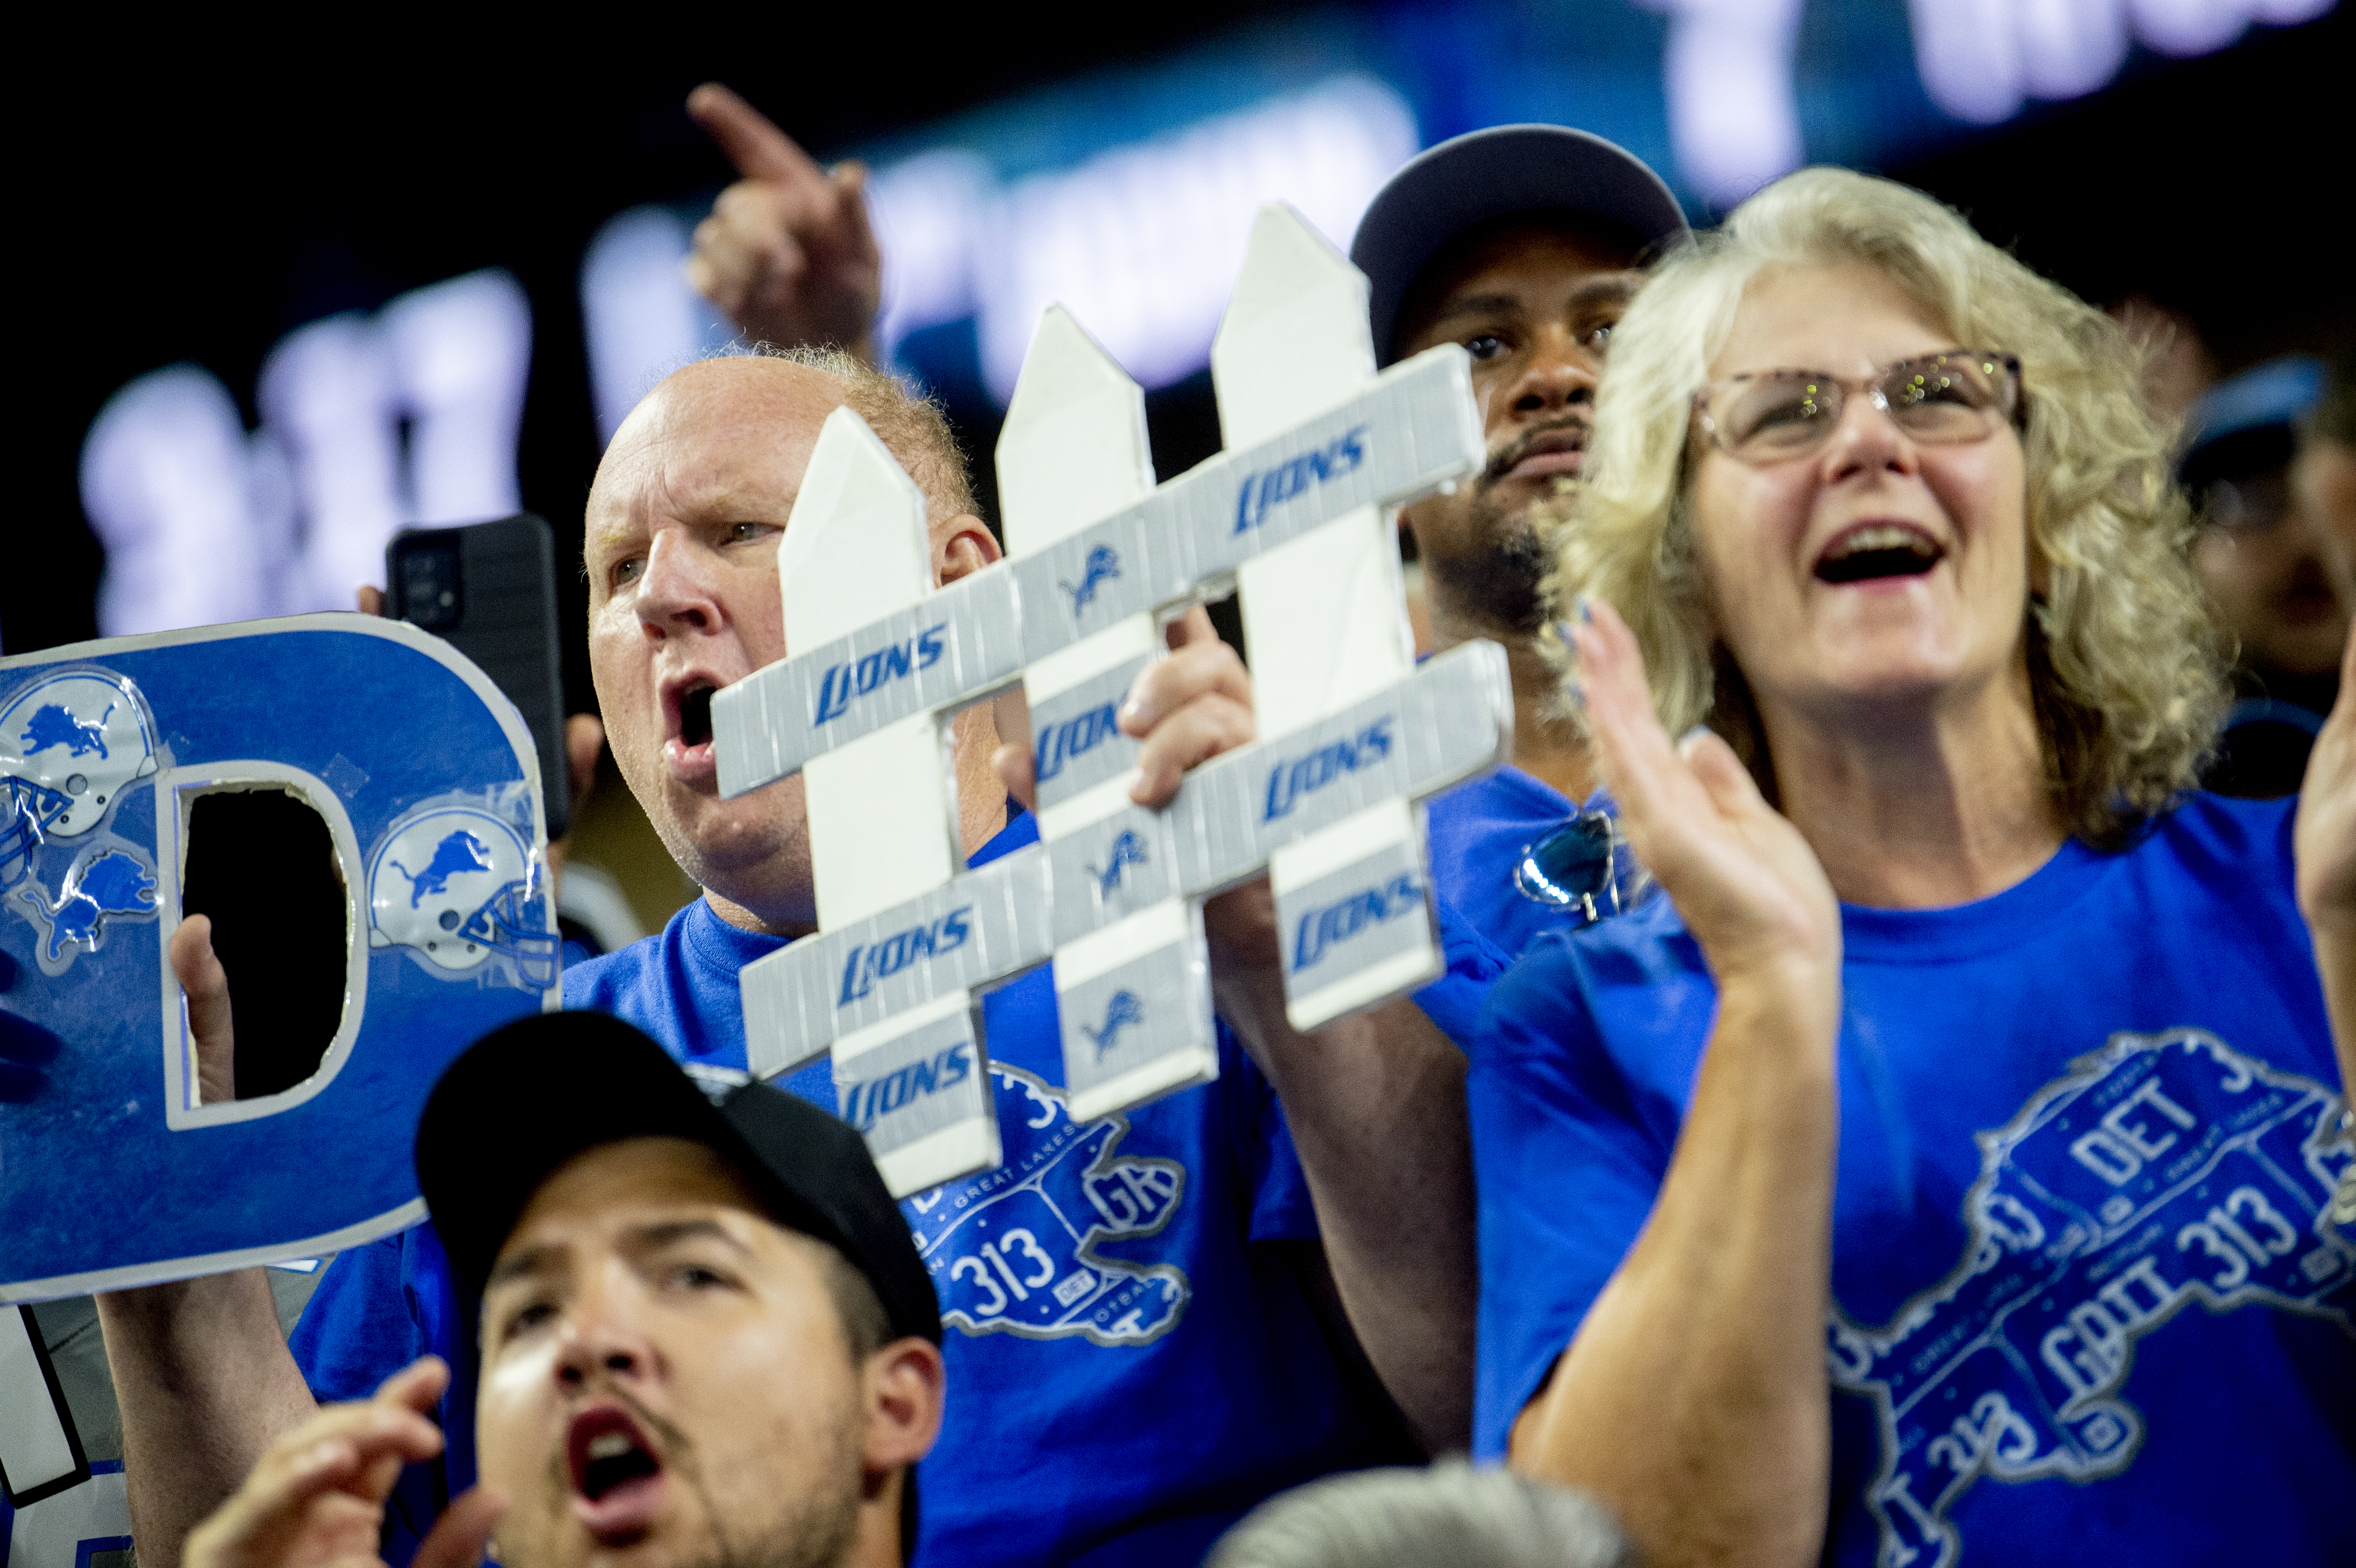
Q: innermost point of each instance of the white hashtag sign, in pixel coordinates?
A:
(1296, 514)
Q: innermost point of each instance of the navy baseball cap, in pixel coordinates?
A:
(2249, 424)
(1500, 172)
(528, 1097)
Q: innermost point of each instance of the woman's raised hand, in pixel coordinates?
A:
(2325, 837)
(1747, 884)
(2324, 840)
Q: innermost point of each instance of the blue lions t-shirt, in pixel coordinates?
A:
(2084, 1287)
(1127, 1376)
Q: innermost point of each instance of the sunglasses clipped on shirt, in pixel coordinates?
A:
(1573, 867)
(1938, 399)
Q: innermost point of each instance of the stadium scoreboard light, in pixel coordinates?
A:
(1127, 198)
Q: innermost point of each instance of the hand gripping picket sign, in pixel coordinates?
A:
(111, 1172)
(1296, 514)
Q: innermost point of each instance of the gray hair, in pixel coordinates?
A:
(1449, 1515)
(913, 426)
(2126, 668)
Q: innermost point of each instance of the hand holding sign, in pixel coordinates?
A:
(788, 253)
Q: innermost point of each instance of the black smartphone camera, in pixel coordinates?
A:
(489, 591)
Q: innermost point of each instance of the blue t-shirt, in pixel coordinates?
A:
(1477, 833)
(1151, 1375)
(2084, 1288)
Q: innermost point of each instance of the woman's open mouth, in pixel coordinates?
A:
(1879, 550)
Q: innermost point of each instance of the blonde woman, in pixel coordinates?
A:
(1943, 1170)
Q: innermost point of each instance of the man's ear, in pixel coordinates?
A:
(962, 546)
(905, 1385)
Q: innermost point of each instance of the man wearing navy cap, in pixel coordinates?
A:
(1523, 243)
(705, 1334)
(2264, 564)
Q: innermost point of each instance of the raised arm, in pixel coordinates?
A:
(788, 253)
(201, 1369)
(1693, 1399)
(1374, 1103)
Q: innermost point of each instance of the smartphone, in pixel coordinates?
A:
(489, 591)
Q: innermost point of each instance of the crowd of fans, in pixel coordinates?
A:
(1886, 1097)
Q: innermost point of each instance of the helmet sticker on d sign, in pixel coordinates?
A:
(457, 886)
(69, 745)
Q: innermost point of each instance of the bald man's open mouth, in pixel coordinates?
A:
(686, 726)
(617, 1477)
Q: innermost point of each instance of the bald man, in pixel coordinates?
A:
(1143, 1312)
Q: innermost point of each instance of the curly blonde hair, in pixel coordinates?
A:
(2127, 672)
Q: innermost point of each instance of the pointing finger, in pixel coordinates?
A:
(749, 138)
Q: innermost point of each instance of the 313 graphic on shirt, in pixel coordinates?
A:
(2160, 1170)
(1014, 1250)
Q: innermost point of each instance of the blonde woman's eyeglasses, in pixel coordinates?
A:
(1939, 400)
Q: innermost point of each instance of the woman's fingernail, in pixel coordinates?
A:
(1563, 629)
(1583, 610)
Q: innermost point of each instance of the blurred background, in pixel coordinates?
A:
(305, 288)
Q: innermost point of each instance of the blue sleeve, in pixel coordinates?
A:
(1453, 1001)
(378, 1307)
(361, 1325)
(1566, 1172)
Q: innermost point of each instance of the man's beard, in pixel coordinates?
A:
(814, 1530)
(1498, 583)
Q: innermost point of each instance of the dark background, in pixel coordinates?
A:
(195, 198)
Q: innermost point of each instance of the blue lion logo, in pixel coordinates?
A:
(460, 851)
(1128, 850)
(115, 883)
(1102, 563)
(53, 724)
(1124, 1010)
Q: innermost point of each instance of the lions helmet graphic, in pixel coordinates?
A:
(455, 885)
(69, 745)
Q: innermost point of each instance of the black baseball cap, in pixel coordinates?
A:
(529, 1096)
(1502, 172)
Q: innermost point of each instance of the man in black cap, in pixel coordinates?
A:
(705, 1334)
(1523, 243)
